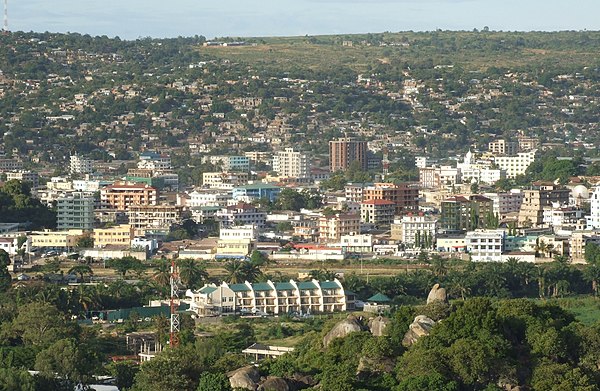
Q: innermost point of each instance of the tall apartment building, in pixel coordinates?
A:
(378, 212)
(345, 151)
(80, 165)
(437, 177)
(414, 227)
(506, 203)
(332, 228)
(122, 195)
(229, 163)
(224, 180)
(593, 221)
(515, 165)
(503, 147)
(465, 213)
(241, 214)
(290, 163)
(153, 217)
(541, 196)
(75, 211)
(24, 176)
(405, 196)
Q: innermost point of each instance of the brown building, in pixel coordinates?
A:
(538, 198)
(405, 196)
(332, 228)
(153, 217)
(121, 195)
(345, 151)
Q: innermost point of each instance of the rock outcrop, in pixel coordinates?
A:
(349, 325)
(274, 384)
(377, 326)
(421, 326)
(246, 378)
(437, 294)
(380, 365)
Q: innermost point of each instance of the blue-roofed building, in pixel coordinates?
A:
(256, 191)
(291, 297)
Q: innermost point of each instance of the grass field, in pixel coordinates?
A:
(585, 308)
(465, 49)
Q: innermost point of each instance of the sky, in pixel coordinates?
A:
(131, 19)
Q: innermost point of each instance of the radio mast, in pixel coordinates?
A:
(174, 330)
(5, 28)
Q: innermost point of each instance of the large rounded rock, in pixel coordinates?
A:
(274, 384)
(246, 378)
(378, 325)
(437, 294)
(421, 326)
(349, 325)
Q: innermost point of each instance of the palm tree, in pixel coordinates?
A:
(191, 273)
(541, 247)
(323, 274)
(239, 271)
(81, 271)
(162, 273)
(439, 266)
(592, 274)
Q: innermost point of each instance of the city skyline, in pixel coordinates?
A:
(137, 18)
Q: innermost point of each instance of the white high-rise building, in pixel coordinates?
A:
(290, 163)
(81, 165)
(515, 165)
(593, 221)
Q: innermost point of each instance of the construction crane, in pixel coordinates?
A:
(174, 305)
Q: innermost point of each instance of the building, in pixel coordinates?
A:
(404, 196)
(506, 203)
(80, 165)
(153, 217)
(308, 297)
(120, 235)
(354, 192)
(290, 163)
(503, 147)
(593, 221)
(241, 214)
(332, 228)
(436, 177)
(229, 163)
(515, 165)
(541, 196)
(465, 213)
(357, 243)
(578, 241)
(154, 161)
(344, 151)
(378, 212)
(224, 180)
(199, 198)
(121, 195)
(237, 241)
(7, 165)
(24, 176)
(56, 240)
(256, 191)
(75, 211)
(415, 230)
(485, 245)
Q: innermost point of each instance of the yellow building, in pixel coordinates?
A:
(120, 235)
(56, 239)
(234, 247)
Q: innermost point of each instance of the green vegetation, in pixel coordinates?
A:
(18, 206)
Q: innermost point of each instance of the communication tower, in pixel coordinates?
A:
(5, 28)
(174, 305)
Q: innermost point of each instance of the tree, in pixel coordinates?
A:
(13, 379)
(5, 278)
(81, 271)
(193, 274)
(213, 382)
(69, 360)
(125, 264)
(239, 271)
(162, 273)
(124, 372)
(176, 369)
(85, 241)
(41, 324)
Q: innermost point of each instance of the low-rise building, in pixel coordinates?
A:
(357, 243)
(485, 245)
(122, 195)
(309, 297)
(241, 214)
(153, 217)
(120, 235)
(415, 230)
(332, 228)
